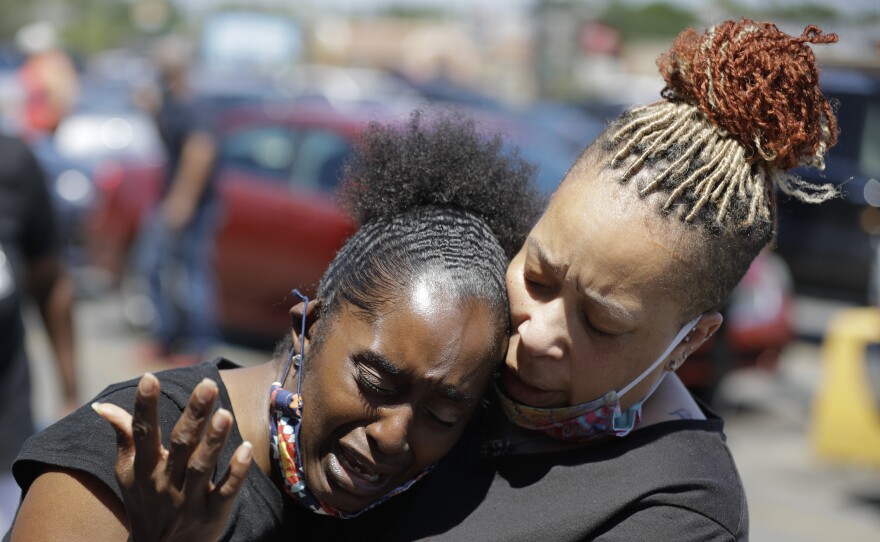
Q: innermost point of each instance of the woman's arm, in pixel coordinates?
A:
(167, 494)
(668, 522)
(71, 506)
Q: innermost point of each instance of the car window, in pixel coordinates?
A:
(850, 111)
(869, 158)
(319, 160)
(262, 149)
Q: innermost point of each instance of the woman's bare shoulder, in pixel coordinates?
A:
(63, 504)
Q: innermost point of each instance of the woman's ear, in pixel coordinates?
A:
(298, 312)
(705, 327)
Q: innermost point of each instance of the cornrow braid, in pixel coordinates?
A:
(439, 202)
(384, 255)
(742, 106)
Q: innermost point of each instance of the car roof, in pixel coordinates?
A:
(312, 115)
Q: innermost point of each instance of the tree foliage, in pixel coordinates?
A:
(85, 26)
(648, 21)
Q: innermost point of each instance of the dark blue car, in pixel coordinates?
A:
(830, 247)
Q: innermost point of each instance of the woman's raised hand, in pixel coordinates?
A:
(168, 493)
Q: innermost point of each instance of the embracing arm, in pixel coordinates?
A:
(69, 505)
(667, 522)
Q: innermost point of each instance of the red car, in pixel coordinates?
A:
(279, 228)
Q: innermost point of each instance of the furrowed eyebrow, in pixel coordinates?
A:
(455, 394)
(385, 365)
(616, 309)
(381, 362)
(539, 249)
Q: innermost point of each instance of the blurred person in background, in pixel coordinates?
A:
(30, 266)
(48, 77)
(175, 248)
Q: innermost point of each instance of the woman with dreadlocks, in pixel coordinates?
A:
(384, 369)
(591, 436)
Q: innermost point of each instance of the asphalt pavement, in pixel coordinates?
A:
(793, 494)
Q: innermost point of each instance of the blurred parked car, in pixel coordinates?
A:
(280, 226)
(350, 89)
(107, 132)
(278, 168)
(830, 247)
(757, 327)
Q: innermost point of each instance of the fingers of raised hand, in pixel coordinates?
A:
(188, 431)
(120, 420)
(145, 426)
(233, 479)
(204, 458)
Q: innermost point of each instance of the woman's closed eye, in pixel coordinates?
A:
(599, 330)
(442, 420)
(371, 382)
(596, 330)
(537, 285)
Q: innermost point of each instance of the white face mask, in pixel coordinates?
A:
(587, 421)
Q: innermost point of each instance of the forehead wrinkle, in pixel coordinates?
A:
(447, 344)
(387, 366)
(617, 310)
(541, 251)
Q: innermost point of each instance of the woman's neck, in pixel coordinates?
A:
(671, 401)
(248, 390)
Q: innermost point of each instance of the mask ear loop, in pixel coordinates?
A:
(302, 346)
(678, 338)
(298, 402)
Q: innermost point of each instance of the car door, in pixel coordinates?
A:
(280, 225)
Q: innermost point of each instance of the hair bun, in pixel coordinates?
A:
(758, 84)
(441, 160)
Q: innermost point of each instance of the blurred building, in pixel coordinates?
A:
(495, 55)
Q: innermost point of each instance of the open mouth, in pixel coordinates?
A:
(351, 463)
(354, 475)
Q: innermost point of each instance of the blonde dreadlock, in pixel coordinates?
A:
(741, 107)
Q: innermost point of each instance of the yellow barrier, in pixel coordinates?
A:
(846, 420)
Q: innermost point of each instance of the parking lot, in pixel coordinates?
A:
(793, 494)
